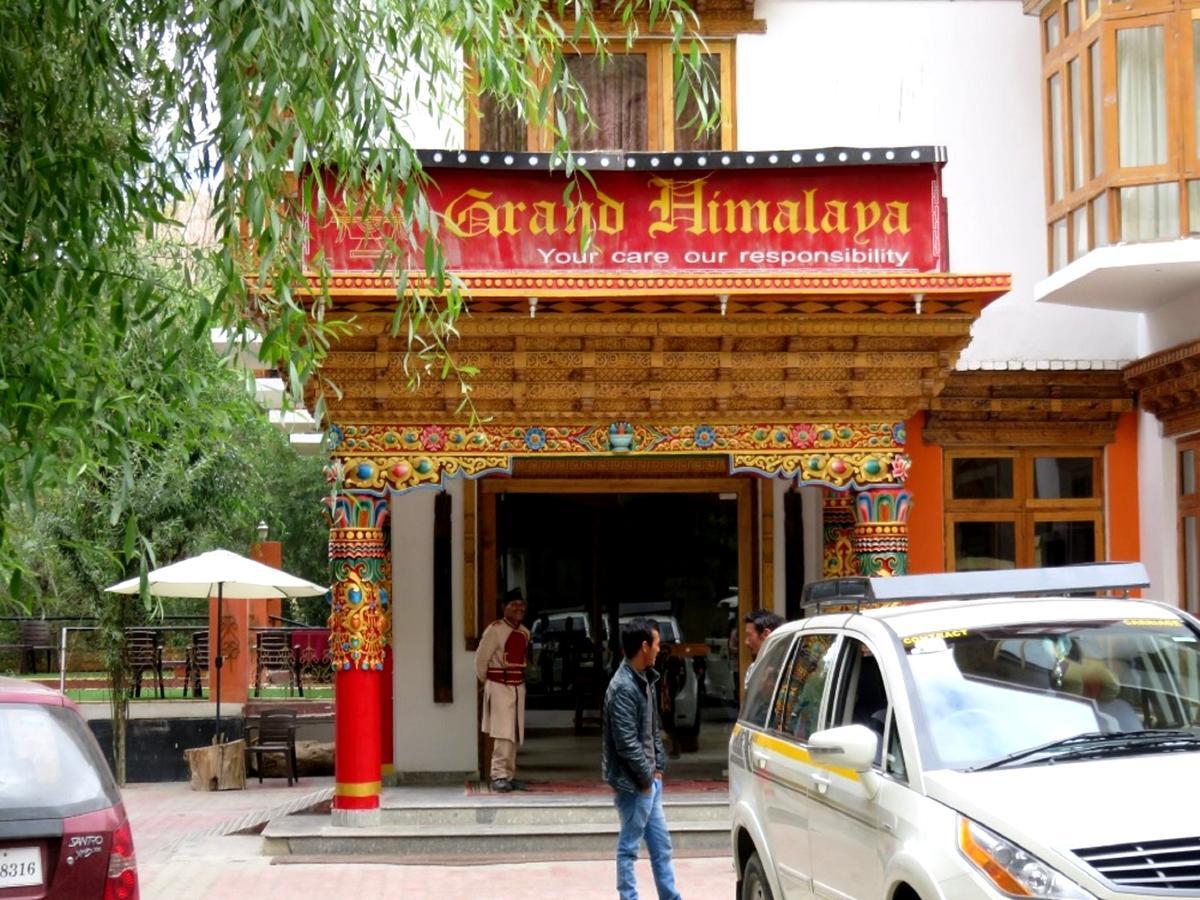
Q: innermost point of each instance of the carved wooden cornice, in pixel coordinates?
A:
(628, 290)
(718, 18)
(1028, 408)
(681, 369)
(1168, 384)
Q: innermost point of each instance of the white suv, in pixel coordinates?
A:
(993, 747)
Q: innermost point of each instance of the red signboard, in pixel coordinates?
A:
(886, 218)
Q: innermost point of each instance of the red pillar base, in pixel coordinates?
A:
(356, 768)
(386, 719)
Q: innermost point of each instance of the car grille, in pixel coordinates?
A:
(1166, 865)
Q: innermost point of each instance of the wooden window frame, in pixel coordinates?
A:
(1187, 506)
(660, 85)
(1183, 149)
(1024, 509)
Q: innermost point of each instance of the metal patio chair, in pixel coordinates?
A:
(275, 732)
(275, 655)
(197, 661)
(142, 654)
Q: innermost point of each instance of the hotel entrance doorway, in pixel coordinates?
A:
(586, 562)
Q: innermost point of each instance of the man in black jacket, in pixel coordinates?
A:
(634, 760)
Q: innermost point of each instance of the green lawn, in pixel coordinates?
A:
(98, 691)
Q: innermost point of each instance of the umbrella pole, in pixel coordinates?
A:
(219, 660)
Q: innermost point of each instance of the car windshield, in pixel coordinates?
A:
(988, 693)
(50, 766)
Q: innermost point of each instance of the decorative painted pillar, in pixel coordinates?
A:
(881, 530)
(359, 558)
(837, 522)
(387, 721)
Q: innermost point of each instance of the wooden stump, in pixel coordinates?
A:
(219, 767)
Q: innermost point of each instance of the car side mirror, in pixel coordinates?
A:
(850, 747)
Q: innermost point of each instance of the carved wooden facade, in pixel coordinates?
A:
(1168, 384)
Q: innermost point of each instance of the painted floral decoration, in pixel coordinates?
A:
(433, 437)
(705, 436)
(899, 432)
(802, 436)
(900, 466)
(535, 438)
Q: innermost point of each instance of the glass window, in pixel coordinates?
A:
(1093, 7)
(1100, 219)
(984, 545)
(500, 128)
(1064, 543)
(1079, 231)
(1191, 565)
(1058, 245)
(616, 98)
(1141, 96)
(1187, 472)
(1063, 477)
(1052, 34)
(1054, 86)
(798, 705)
(1001, 690)
(1149, 211)
(761, 689)
(1193, 188)
(686, 137)
(1095, 80)
(893, 763)
(1196, 77)
(1071, 15)
(1075, 86)
(50, 765)
(982, 478)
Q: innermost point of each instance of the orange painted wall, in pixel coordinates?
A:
(237, 640)
(926, 533)
(1121, 491)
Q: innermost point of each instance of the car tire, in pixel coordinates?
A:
(754, 880)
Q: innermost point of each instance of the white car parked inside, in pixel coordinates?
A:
(992, 747)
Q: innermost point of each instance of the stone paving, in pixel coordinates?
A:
(188, 850)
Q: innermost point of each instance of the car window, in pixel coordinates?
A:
(990, 692)
(759, 692)
(860, 698)
(50, 765)
(798, 704)
(893, 760)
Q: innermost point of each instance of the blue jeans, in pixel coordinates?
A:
(642, 817)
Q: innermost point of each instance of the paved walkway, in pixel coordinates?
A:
(187, 851)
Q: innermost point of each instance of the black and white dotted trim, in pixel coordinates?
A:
(719, 159)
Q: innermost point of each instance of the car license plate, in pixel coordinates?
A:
(20, 867)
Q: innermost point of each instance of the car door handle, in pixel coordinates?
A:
(822, 782)
(757, 757)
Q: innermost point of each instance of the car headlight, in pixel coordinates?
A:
(1013, 871)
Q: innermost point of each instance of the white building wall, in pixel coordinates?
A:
(428, 736)
(1174, 323)
(963, 75)
(1157, 488)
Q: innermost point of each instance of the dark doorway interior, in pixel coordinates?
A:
(587, 561)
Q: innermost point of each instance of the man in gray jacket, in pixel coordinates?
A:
(634, 760)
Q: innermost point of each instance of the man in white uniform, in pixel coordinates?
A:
(500, 664)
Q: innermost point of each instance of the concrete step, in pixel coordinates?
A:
(553, 812)
(562, 828)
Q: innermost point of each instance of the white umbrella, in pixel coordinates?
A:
(216, 572)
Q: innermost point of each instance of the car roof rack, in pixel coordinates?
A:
(853, 593)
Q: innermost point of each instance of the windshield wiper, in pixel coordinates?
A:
(1092, 741)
